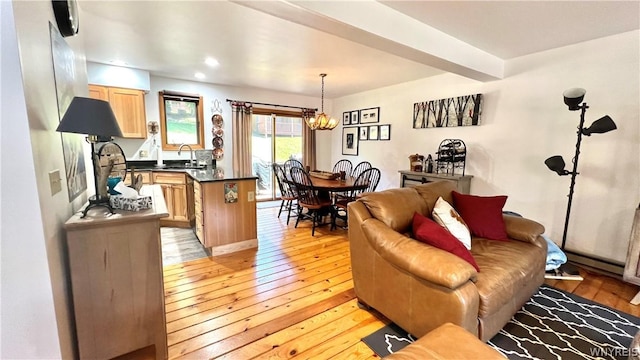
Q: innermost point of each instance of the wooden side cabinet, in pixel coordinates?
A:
(413, 178)
(177, 188)
(128, 107)
(115, 263)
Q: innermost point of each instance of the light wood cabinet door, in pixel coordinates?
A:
(128, 107)
(178, 191)
(179, 197)
(167, 192)
(99, 92)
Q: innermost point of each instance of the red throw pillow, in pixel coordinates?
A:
(429, 232)
(483, 214)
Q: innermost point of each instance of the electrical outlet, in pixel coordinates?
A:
(55, 182)
(251, 196)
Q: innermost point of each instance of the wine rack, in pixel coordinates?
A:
(451, 157)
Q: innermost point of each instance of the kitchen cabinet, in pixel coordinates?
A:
(177, 188)
(224, 227)
(146, 177)
(128, 107)
(115, 264)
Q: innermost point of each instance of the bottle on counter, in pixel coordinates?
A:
(429, 164)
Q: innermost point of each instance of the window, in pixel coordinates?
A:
(276, 137)
(182, 120)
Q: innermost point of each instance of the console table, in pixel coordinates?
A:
(116, 279)
(413, 178)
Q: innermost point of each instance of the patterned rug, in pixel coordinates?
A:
(553, 324)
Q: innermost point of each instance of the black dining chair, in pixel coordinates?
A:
(308, 199)
(343, 165)
(362, 166)
(287, 192)
(374, 180)
(289, 164)
(369, 178)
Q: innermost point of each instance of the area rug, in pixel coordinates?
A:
(553, 324)
(180, 245)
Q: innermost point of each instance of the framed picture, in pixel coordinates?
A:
(230, 193)
(371, 115)
(350, 141)
(355, 117)
(64, 72)
(385, 132)
(456, 111)
(373, 132)
(346, 118)
(364, 133)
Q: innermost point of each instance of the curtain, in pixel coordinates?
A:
(241, 113)
(308, 140)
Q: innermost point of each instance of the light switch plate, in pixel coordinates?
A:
(55, 182)
(251, 196)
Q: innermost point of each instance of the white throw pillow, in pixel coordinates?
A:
(445, 215)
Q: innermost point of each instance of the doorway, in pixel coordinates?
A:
(276, 137)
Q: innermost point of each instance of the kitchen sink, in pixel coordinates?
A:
(185, 166)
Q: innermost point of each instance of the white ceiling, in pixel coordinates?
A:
(361, 45)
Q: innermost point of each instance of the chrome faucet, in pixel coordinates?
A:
(190, 153)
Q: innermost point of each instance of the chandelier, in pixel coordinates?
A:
(321, 121)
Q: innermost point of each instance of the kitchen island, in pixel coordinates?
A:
(225, 210)
(225, 220)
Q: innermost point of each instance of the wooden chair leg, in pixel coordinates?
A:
(297, 220)
(281, 205)
(290, 202)
(313, 223)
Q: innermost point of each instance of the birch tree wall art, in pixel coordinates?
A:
(457, 111)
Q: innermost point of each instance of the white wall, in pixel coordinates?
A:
(28, 314)
(524, 121)
(210, 93)
(44, 224)
(118, 76)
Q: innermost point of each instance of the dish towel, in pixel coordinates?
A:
(555, 256)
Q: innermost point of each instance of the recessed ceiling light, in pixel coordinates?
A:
(211, 62)
(199, 75)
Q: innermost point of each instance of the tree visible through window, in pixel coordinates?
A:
(182, 120)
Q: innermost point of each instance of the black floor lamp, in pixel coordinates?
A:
(573, 99)
(94, 118)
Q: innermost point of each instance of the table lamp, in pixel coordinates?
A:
(94, 118)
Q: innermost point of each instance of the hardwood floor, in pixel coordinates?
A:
(294, 297)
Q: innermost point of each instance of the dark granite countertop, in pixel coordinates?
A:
(169, 165)
(209, 175)
(202, 174)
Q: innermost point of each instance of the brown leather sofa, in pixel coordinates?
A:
(420, 287)
(448, 341)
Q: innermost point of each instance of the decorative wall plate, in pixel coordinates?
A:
(217, 120)
(218, 143)
(217, 153)
(218, 131)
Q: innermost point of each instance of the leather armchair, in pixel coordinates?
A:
(420, 287)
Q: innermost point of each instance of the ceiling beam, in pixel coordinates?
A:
(378, 26)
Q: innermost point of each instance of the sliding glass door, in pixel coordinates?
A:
(276, 137)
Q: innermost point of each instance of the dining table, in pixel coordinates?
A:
(336, 185)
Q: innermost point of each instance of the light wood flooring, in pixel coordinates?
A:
(294, 297)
